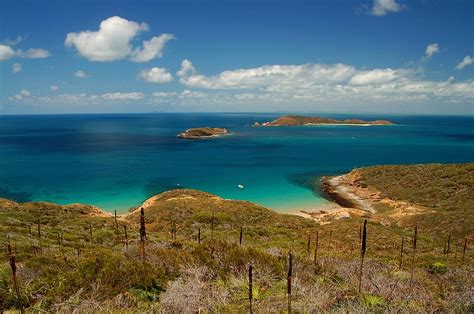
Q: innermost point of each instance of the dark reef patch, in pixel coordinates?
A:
(159, 185)
(17, 196)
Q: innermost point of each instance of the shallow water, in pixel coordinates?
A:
(115, 161)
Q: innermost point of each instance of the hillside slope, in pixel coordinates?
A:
(82, 261)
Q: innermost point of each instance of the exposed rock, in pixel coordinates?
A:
(343, 215)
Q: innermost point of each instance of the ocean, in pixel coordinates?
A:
(116, 161)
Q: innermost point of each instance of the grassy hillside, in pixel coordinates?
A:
(68, 268)
(444, 192)
(437, 186)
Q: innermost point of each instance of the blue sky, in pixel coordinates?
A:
(378, 56)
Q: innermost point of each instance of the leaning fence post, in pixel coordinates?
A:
(115, 219)
(362, 252)
(288, 281)
(250, 289)
(142, 232)
(241, 236)
(413, 258)
(316, 248)
(464, 251)
(401, 253)
(126, 236)
(309, 246)
(11, 258)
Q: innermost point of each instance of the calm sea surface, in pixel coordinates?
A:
(115, 161)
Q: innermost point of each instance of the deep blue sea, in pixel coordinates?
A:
(116, 161)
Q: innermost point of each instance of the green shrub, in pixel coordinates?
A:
(372, 301)
(438, 268)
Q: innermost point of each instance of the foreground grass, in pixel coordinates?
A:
(102, 273)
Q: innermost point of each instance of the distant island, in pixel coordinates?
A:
(206, 132)
(303, 120)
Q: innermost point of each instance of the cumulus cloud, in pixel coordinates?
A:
(187, 69)
(155, 75)
(383, 7)
(113, 41)
(21, 95)
(192, 94)
(6, 52)
(34, 53)
(16, 67)
(80, 74)
(324, 82)
(54, 88)
(151, 49)
(268, 76)
(13, 42)
(464, 63)
(431, 50)
(377, 76)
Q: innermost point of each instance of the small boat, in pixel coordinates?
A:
(240, 186)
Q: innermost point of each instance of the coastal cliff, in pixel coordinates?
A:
(303, 120)
(205, 132)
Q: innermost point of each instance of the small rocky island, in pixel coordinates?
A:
(206, 132)
(303, 120)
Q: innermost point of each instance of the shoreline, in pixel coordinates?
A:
(339, 192)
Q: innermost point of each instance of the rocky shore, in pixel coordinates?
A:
(344, 191)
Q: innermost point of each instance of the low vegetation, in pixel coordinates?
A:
(305, 120)
(443, 193)
(74, 258)
(206, 132)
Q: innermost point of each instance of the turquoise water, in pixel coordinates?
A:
(115, 161)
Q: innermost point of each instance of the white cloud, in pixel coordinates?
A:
(164, 94)
(81, 99)
(123, 96)
(54, 88)
(21, 95)
(191, 94)
(382, 7)
(186, 69)
(465, 62)
(431, 49)
(268, 76)
(80, 74)
(113, 41)
(377, 76)
(6, 52)
(155, 75)
(16, 67)
(33, 53)
(151, 48)
(14, 42)
(324, 83)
